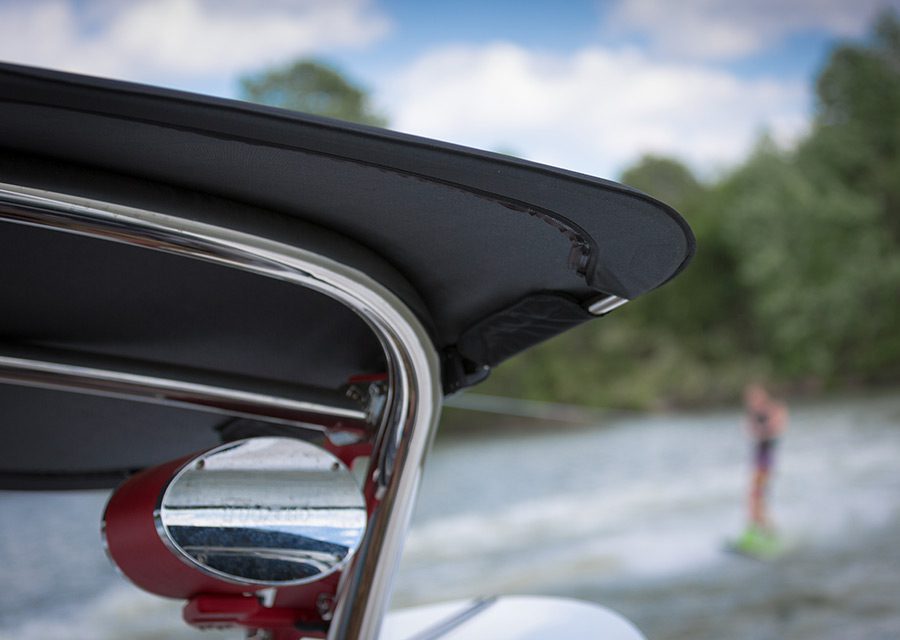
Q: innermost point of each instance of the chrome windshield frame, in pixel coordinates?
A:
(408, 422)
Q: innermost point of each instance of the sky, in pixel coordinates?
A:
(586, 85)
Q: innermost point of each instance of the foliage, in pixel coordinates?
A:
(815, 262)
(311, 87)
(797, 275)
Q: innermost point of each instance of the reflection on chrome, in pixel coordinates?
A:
(264, 511)
(606, 304)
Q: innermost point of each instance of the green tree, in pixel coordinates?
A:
(853, 153)
(819, 270)
(664, 178)
(856, 138)
(706, 297)
(312, 87)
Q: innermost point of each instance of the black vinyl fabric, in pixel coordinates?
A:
(519, 326)
(493, 254)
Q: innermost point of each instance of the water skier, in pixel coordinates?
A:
(766, 420)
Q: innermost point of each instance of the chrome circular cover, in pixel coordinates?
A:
(274, 511)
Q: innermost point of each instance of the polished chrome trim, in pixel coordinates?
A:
(171, 386)
(414, 390)
(606, 304)
(181, 552)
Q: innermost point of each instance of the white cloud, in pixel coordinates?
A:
(728, 29)
(593, 111)
(179, 39)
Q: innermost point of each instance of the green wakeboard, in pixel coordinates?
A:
(759, 544)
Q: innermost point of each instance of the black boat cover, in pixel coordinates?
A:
(494, 254)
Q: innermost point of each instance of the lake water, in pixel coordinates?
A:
(633, 513)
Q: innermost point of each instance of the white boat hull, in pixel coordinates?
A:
(509, 618)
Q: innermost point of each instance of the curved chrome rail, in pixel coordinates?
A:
(235, 396)
(414, 399)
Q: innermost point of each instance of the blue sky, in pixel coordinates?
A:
(588, 85)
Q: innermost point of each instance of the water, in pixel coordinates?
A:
(632, 513)
(643, 497)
